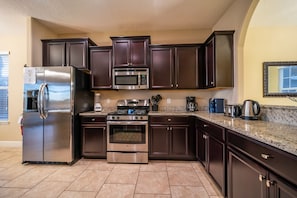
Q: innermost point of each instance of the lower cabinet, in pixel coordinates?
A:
(258, 170)
(171, 137)
(210, 151)
(93, 136)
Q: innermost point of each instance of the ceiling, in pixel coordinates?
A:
(79, 16)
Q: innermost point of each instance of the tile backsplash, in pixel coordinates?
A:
(279, 114)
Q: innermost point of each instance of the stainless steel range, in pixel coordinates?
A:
(127, 132)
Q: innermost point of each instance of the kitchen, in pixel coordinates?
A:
(243, 88)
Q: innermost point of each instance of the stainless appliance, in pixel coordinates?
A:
(191, 103)
(53, 97)
(97, 104)
(250, 110)
(127, 132)
(216, 105)
(233, 111)
(130, 78)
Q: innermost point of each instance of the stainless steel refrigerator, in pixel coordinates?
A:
(53, 99)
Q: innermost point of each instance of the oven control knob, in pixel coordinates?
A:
(136, 118)
(118, 117)
(141, 117)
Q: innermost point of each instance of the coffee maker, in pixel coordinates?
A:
(191, 103)
(97, 104)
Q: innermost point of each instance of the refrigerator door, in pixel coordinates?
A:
(32, 123)
(58, 108)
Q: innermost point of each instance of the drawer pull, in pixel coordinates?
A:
(169, 120)
(93, 119)
(205, 136)
(261, 178)
(265, 156)
(205, 125)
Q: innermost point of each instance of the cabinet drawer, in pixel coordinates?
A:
(177, 120)
(93, 119)
(212, 129)
(280, 162)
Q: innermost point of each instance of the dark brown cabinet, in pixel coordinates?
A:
(171, 137)
(93, 130)
(101, 66)
(218, 61)
(269, 172)
(130, 51)
(174, 66)
(66, 52)
(211, 151)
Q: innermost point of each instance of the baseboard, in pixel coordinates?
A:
(10, 143)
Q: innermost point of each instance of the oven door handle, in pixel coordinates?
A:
(127, 122)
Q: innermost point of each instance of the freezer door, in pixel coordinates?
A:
(58, 146)
(32, 137)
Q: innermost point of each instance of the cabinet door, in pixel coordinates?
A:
(94, 141)
(159, 141)
(210, 64)
(139, 52)
(121, 53)
(54, 53)
(179, 139)
(76, 53)
(186, 67)
(216, 163)
(278, 188)
(244, 176)
(100, 63)
(200, 145)
(162, 68)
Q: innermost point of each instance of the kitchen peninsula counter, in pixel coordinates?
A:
(280, 136)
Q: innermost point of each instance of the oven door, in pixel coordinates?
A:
(127, 136)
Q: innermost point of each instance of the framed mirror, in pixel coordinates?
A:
(280, 79)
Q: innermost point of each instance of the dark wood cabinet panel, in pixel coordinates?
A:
(243, 177)
(219, 63)
(130, 51)
(174, 66)
(93, 131)
(162, 67)
(66, 52)
(171, 137)
(186, 67)
(278, 188)
(101, 66)
(211, 151)
(159, 141)
(277, 167)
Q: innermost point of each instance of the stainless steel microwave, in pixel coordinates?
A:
(130, 78)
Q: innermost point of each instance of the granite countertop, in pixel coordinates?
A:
(281, 136)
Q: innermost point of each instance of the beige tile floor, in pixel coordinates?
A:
(97, 178)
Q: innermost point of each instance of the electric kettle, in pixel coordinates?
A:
(250, 110)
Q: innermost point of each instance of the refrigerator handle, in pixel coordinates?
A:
(42, 101)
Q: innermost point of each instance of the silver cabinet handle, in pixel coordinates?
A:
(205, 125)
(269, 183)
(169, 119)
(205, 136)
(93, 119)
(261, 178)
(265, 156)
(171, 85)
(176, 85)
(168, 129)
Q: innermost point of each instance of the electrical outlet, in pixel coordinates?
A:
(168, 100)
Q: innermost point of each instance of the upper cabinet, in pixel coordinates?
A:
(101, 65)
(219, 63)
(131, 51)
(66, 52)
(175, 66)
